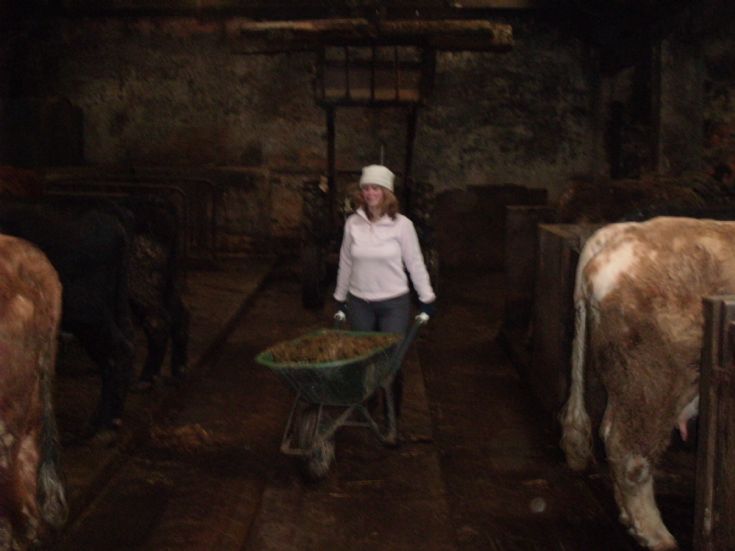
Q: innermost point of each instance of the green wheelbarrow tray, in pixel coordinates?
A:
(330, 395)
(335, 383)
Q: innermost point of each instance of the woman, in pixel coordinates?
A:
(378, 242)
(372, 286)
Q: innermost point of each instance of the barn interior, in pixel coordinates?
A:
(515, 129)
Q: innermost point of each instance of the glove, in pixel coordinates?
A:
(428, 308)
(341, 314)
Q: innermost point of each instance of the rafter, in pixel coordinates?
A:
(440, 34)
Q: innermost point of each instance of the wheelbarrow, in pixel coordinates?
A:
(331, 395)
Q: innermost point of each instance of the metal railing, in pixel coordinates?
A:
(197, 202)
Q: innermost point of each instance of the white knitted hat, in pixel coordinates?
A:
(377, 175)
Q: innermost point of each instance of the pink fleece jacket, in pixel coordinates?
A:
(373, 256)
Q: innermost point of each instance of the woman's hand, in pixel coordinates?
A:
(341, 314)
(428, 308)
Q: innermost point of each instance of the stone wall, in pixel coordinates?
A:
(719, 101)
(174, 91)
(522, 117)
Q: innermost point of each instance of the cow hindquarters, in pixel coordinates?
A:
(633, 483)
(31, 493)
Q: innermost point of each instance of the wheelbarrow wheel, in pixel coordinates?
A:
(321, 455)
(320, 460)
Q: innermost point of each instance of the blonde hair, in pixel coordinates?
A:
(389, 206)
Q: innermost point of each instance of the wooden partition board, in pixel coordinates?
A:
(714, 527)
(559, 246)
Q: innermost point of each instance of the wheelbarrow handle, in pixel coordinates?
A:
(402, 348)
(421, 319)
(340, 320)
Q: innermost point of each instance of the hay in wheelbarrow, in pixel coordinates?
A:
(330, 346)
(333, 367)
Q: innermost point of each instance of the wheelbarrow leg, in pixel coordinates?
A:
(397, 388)
(390, 438)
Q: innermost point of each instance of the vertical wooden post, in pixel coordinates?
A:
(331, 165)
(372, 74)
(322, 74)
(408, 160)
(348, 90)
(396, 74)
(714, 526)
(678, 92)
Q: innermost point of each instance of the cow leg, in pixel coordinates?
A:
(12, 522)
(113, 354)
(156, 328)
(633, 482)
(27, 467)
(6, 531)
(605, 428)
(180, 321)
(116, 382)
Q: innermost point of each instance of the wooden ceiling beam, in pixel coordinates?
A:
(497, 4)
(440, 34)
(274, 9)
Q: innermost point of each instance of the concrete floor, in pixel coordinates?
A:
(215, 298)
(479, 467)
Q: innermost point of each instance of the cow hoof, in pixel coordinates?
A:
(658, 542)
(667, 546)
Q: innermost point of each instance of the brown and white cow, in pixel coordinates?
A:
(639, 321)
(32, 497)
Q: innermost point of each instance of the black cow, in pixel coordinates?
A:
(155, 284)
(151, 290)
(154, 274)
(90, 250)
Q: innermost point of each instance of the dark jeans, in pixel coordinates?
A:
(387, 316)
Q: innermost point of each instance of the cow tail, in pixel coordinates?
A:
(51, 492)
(576, 440)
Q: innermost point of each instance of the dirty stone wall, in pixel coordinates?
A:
(177, 92)
(523, 117)
(719, 101)
(672, 111)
